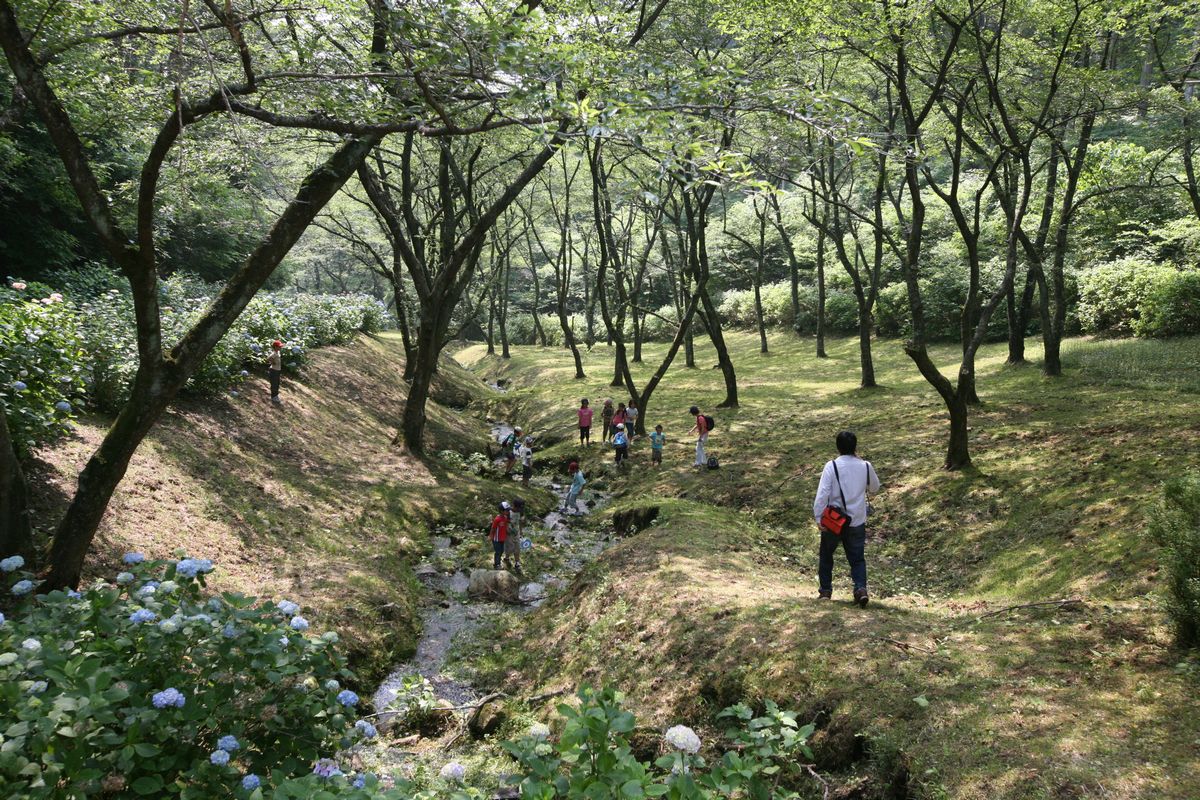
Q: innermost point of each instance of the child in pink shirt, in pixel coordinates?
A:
(585, 423)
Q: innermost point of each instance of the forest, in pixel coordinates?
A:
(968, 230)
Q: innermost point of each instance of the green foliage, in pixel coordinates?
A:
(1137, 296)
(1176, 528)
(1172, 307)
(41, 366)
(84, 701)
(593, 757)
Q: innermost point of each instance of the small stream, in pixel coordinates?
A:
(449, 613)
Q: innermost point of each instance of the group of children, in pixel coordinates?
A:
(619, 425)
(506, 534)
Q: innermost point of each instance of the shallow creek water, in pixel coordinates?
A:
(449, 613)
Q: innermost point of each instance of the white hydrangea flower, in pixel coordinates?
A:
(539, 730)
(683, 738)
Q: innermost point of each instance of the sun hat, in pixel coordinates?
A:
(276, 343)
(574, 465)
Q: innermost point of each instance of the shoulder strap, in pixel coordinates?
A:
(839, 480)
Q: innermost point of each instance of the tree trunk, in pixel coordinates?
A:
(429, 336)
(762, 325)
(865, 323)
(821, 293)
(16, 534)
(689, 348)
(504, 353)
(539, 332)
(723, 359)
(491, 339)
(569, 338)
(958, 455)
(100, 477)
(1018, 319)
(638, 324)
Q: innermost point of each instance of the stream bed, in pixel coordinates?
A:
(449, 613)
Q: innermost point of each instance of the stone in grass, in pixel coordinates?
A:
(493, 584)
(487, 719)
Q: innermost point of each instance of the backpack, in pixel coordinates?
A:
(710, 422)
(712, 463)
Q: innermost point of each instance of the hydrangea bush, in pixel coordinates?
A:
(41, 364)
(95, 337)
(144, 685)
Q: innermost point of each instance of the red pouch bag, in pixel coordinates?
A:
(834, 518)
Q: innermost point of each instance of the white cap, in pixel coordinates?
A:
(620, 426)
(516, 428)
(505, 505)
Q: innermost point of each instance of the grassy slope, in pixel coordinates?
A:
(310, 501)
(713, 602)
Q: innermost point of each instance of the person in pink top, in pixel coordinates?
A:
(701, 431)
(585, 423)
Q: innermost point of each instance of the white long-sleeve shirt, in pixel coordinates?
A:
(858, 479)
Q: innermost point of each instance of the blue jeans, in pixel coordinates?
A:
(497, 551)
(854, 541)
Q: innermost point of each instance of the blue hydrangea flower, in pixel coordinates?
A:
(347, 698)
(168, 697)
(19, 386)
(142, 615)
(360, 781)
(326, 768)
(287, 607)
(22, 587)
(229, 631)
(214, 604)
(169, 625)
(332, 685)
(366, 729)
(146, 591)
(251, 782)
(191, 567)
(37, 687)
(32, 645)
(299, 624)
(12, 563)
(330, 636)
(133, 558)
(219, 757)
(74, 595)
(1, 618)
(124, 578)
(228, 743)
(63, 406)
(284, 641)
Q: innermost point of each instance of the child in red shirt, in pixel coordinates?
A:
(498, 533)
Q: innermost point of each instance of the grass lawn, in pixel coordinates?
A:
(920, 695)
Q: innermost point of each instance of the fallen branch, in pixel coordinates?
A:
(810, 768)
(1058, 603)
(905, 645)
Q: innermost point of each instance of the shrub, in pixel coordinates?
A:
(41, 367)
(1176, 527)
(145, 684)
(1112, 295)
(1171, 307)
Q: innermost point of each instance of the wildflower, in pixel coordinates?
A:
(366, 729)
(22, 587)
(299, 624)
(332, 685)
(19, 386)
(287, 607)
(12, 563)
(33, 646)
(142, 615)
(125, 577)
(326, 768)
(37, 687)
(347, 698)
(133, 558)
(683, 738)
(19, 286)
(251, 782)
(219, 757)
(453, 771)
(539, 730)
(63, 406)
(7, 659)
(228, 743)
(168, 697)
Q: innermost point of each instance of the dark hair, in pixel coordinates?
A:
(583, 401)
(847, 443)
(657, 427)
(693, 410)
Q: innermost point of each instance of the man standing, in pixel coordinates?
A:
(275, 369)
(701, 431)
(845, 483)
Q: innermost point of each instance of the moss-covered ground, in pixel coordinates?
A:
(922, 694)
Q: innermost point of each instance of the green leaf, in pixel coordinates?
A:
(147, 785)
(921, 701)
